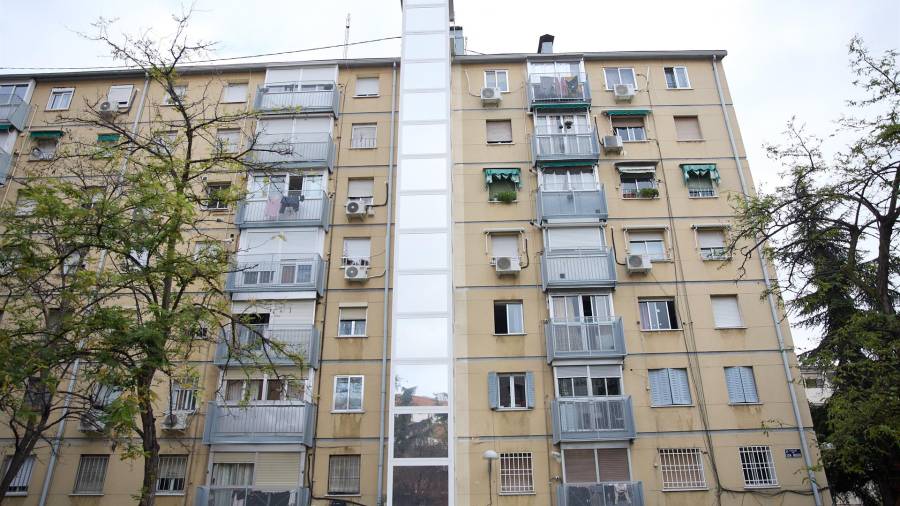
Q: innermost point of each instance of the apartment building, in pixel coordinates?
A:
(506, 274)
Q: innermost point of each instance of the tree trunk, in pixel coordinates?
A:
(22, 451)
(882, 272)
(150, 446)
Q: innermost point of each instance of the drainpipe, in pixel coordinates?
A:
(57, 441)
(801, 431)
(387, 278)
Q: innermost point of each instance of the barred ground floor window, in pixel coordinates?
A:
(516, 473)
(758, 467)
(682, 468)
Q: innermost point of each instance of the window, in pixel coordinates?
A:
(172, 469)
(72, 262)
(207, 249)
(228, 140)
(598, 466)
(44, 149)
(647, 242)
(234, 93)
(357, 251)
(741, 385)
(363, 136)
(504, 245)
(91, 474)
(12, 93)
(516, 474)
(499, 131)
(502, 184)
(120, 95)
(508, 318)
(348, 393)
(19, 483)
(630, 129)
(184, 397)
(593, 381)
(682, 468)
(638, 185)
(180, 91)
(366, 87)
(216, 196)
(757, 465)
(362, 190)
(669, 387)
(619, 75)
(497, 79)
(232, 475)
(726, 311)
(700, 186)
(578, 179)
(676, 78)
(658, 314)
(239, 390)
(575, 238)
(60, 99)
(512, 391)
(343, 474)
(712, 244)
(352, 322)
(687, 128)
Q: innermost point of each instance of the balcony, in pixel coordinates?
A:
(564, 148)
(268, 345)
(5, 165)
(312, 150)
(298, 98)
(252, 496)
(558, 91)
(570, 268)
(585, 419)
(585, 339)
(13, 111)
(282, 422)
(611, 493)
(295, 209)
(572, 205)
(301, 272)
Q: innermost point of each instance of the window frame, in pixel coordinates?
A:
(663, 239)
(710, 256)
(750, 467)
(637, 187)
(352, 459)
(630, 131)
(712, 192)
(361, 261)
(19, 481)
(496, 80)
(525, 482)
(674, 69)
(246, 86)
(119, 103)
(356, 93)
(179, 395)
(80, 474)
(60, 92)
(362, 393)
(220, 186)
(737, 304)
(511, 386)
(356, 141)
(696, 455)
(696, 117)
(672, 313)
(172, 491)
(353, 325)
(502, 142)
(744, 389)
(671, 391)
(234, 148)
(167, 98)
(619, 72)
(506, 304)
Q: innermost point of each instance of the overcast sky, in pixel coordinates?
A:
(786, 57)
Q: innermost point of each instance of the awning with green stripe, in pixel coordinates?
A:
(700, 169)
(627, 112)
(561, 105)
(47, 134)
(570, 163)
(5, 128)
(633, 168)
(493, 175)
(108, 138)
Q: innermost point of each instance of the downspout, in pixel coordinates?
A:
(801, 431)
(386, 316)
(54, 450)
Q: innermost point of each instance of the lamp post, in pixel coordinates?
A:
(490, 456)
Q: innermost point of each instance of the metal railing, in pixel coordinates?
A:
(578, 268)
(252, 496)
(701, 192)
(291, 272)
(295, 150)
(308, 208)
(280, 422)
(609, 493)
(584, 338)
(13, 111)
(265, 344)
(592, 419)
(558, 88)
(565, 147)
(291, 97)
(554, 204)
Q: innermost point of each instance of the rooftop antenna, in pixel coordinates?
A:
(347, 36)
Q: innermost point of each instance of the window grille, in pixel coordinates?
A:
(184, 397)
(516, 474)
(682, 468)
(19, 484)
(91, 474)
(172, 470)
(757, 465)
(343, 474)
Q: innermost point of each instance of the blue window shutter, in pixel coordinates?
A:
(681, 391)
(660, 392)
(749, 384)
(529, 390)
(493, 390)
(733, 382)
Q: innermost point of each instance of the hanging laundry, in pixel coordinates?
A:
(273, 206)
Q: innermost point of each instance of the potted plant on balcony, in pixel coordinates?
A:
(648, 193)
(507, 196)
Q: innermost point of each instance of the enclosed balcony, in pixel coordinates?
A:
(265, 273)
(584, 339)
(281, 422)
(13, 111)
(611, 493)
(294, 208)
(306, 150)
(298, 98)
(585, 419)
(267, 344)
(558, 90)
(587, 204)
(252, 496)
(547, 148)
(578, 268)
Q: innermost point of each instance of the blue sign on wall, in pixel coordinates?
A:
(792, 453)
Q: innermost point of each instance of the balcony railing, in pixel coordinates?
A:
(284, 422)
(296, 208)
(572, 204)
(300, 272)
(551, 89)
(252, 496)
(13, 111)
(565, 147)
(296, 150)
(592, 268)
(5, 164)
(306, 97)
(268, 345)
(592, 419)
(585, 338)
(611, 493)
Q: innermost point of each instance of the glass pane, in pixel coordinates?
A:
(421, 486)
(421, 337)
(580, 387)
(519, 390)
(515, 319)
(420, 435)
(505, 393)
(421, 385)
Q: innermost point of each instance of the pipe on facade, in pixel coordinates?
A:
(801, 431)
(386, 312)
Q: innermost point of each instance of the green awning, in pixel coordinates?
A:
(561, 105)
(108, 138)
(632, 168)
(700, 169)
(570, 163)
(47, 134)
(627, 112)
(493, 175)
(5, 128)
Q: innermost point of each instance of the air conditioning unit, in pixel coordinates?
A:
(507, 265)
(490, 95)
(638, 263)
(612, 143)
(357, 208)
(623, 92)
(107, 109)
(356, 272)
(177, 420)
(91, 421)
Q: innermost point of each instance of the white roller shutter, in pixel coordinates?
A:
(572, 371)
(357, 248)
(605, 371)
(360, 188)
(278, 469)
(233, 457)
(712, 238)
(575, 238)
(726, 312)
(317, 74)
(278, 76)
(645, 235)
(504, 246)
(366, 86)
